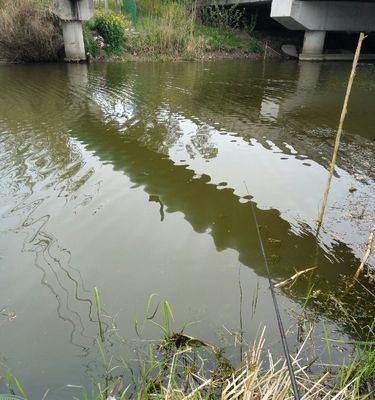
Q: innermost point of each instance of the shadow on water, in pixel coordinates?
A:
(219, 212)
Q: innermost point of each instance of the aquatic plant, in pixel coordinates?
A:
(99, 312)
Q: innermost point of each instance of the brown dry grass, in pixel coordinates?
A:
(29, 32)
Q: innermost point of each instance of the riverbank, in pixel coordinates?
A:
(30, 32)
(173, 31)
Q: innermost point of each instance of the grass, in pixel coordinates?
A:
(29, 32)
(173, 30)
(99, 312)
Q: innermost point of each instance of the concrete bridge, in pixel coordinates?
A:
(316, 17)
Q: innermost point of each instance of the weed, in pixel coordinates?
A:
(29, 31)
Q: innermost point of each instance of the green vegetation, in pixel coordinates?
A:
(170, 29)
(91, 44)
(112, 28)
(179, 366)
(223, 18)
(361, 370)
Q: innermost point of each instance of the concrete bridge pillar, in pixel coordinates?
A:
(72, 13)
(313, 46)
(73, 41)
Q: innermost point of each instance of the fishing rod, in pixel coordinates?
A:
(277, 310)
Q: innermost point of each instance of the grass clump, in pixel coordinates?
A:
(228, 41)
(168, 30)
(173, 29)
(360, 373)
(29, 31)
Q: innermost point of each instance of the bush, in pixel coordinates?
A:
(112, 28)
(29, 31)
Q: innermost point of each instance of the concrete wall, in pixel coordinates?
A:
(329, 15)
(354, 16)
(74, 10)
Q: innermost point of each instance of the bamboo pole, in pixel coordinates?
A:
(339, 130)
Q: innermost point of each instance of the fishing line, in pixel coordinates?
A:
(276, 307)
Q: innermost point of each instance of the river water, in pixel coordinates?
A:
(138, 178)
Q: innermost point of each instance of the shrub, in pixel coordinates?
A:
(29, 31)
(112, 28)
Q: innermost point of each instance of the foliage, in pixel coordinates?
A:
(251, 24)
(223, 17)
(218, 40)
(112, 28)
(361, 371)
(29, 31)
(170, 29)
(91, 45)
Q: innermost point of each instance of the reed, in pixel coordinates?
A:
(339, 130)
(99, 312)
(367, 254)
(14, 384)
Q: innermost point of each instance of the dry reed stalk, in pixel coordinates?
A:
(169, 391)
(367, 254)
(293, 277)
(339, 131)
(252, 382)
